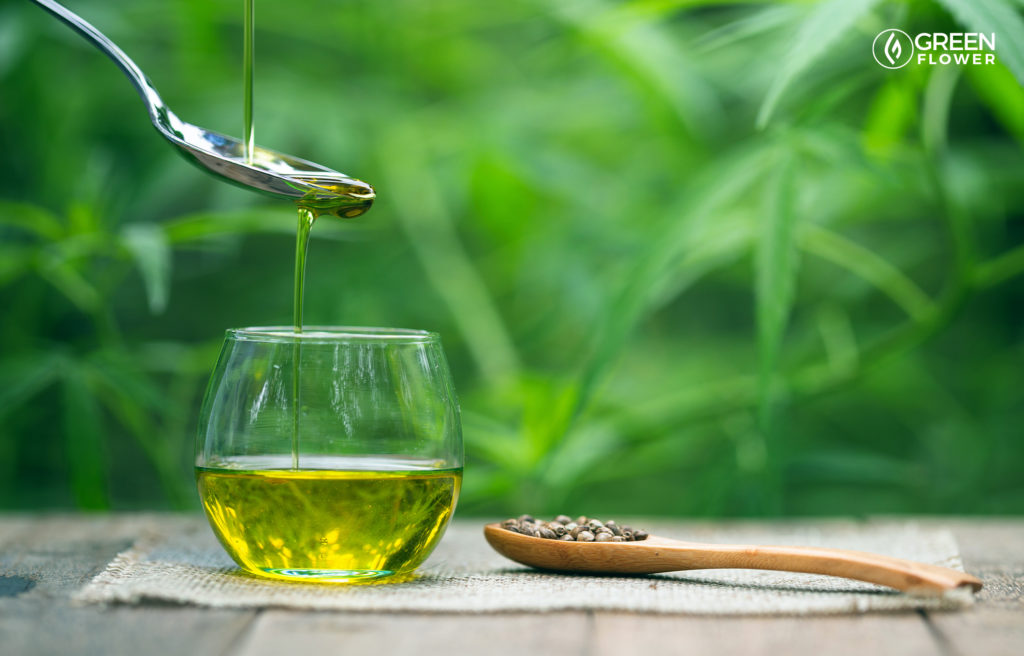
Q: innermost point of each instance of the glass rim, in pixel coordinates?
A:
(333, 335)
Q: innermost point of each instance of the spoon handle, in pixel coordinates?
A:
(905, 575)
(142, 84)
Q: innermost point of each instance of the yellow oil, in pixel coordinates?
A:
(339, 519)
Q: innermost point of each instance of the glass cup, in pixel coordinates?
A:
(334, 454)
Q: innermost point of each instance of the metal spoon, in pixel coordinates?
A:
(271, 172)
(656, 554)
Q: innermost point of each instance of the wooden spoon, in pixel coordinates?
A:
(657, 554)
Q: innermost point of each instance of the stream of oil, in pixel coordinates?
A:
(310, 209)
(306, 219)
(248, 137)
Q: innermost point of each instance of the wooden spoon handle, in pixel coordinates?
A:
(905, 575)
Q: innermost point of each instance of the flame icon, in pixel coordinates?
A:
(892, 49)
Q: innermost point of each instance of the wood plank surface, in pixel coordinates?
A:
(993, 550)
(904, 634)
(58, 555)
(44, 559)
(278, 632)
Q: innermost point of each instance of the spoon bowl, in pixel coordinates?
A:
(657, 554)
(269, 171)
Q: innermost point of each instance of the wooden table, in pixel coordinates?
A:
(45, 558)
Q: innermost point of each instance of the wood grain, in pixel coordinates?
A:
(986, 630)
(293, 632)
(995, 626)
(877, 635)
(59, 554)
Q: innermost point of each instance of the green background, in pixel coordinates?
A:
(688, 258)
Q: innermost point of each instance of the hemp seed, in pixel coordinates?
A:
(582, 529)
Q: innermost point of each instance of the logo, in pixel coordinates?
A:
(893, 48)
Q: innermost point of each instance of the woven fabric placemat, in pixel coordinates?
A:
(185, 564)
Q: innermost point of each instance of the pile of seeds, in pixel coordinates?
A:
(567, 529)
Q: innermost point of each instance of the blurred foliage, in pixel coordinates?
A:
(688, 257)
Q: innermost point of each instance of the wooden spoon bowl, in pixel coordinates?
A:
(658, 554)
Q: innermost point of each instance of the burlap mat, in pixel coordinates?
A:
(186, 565)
